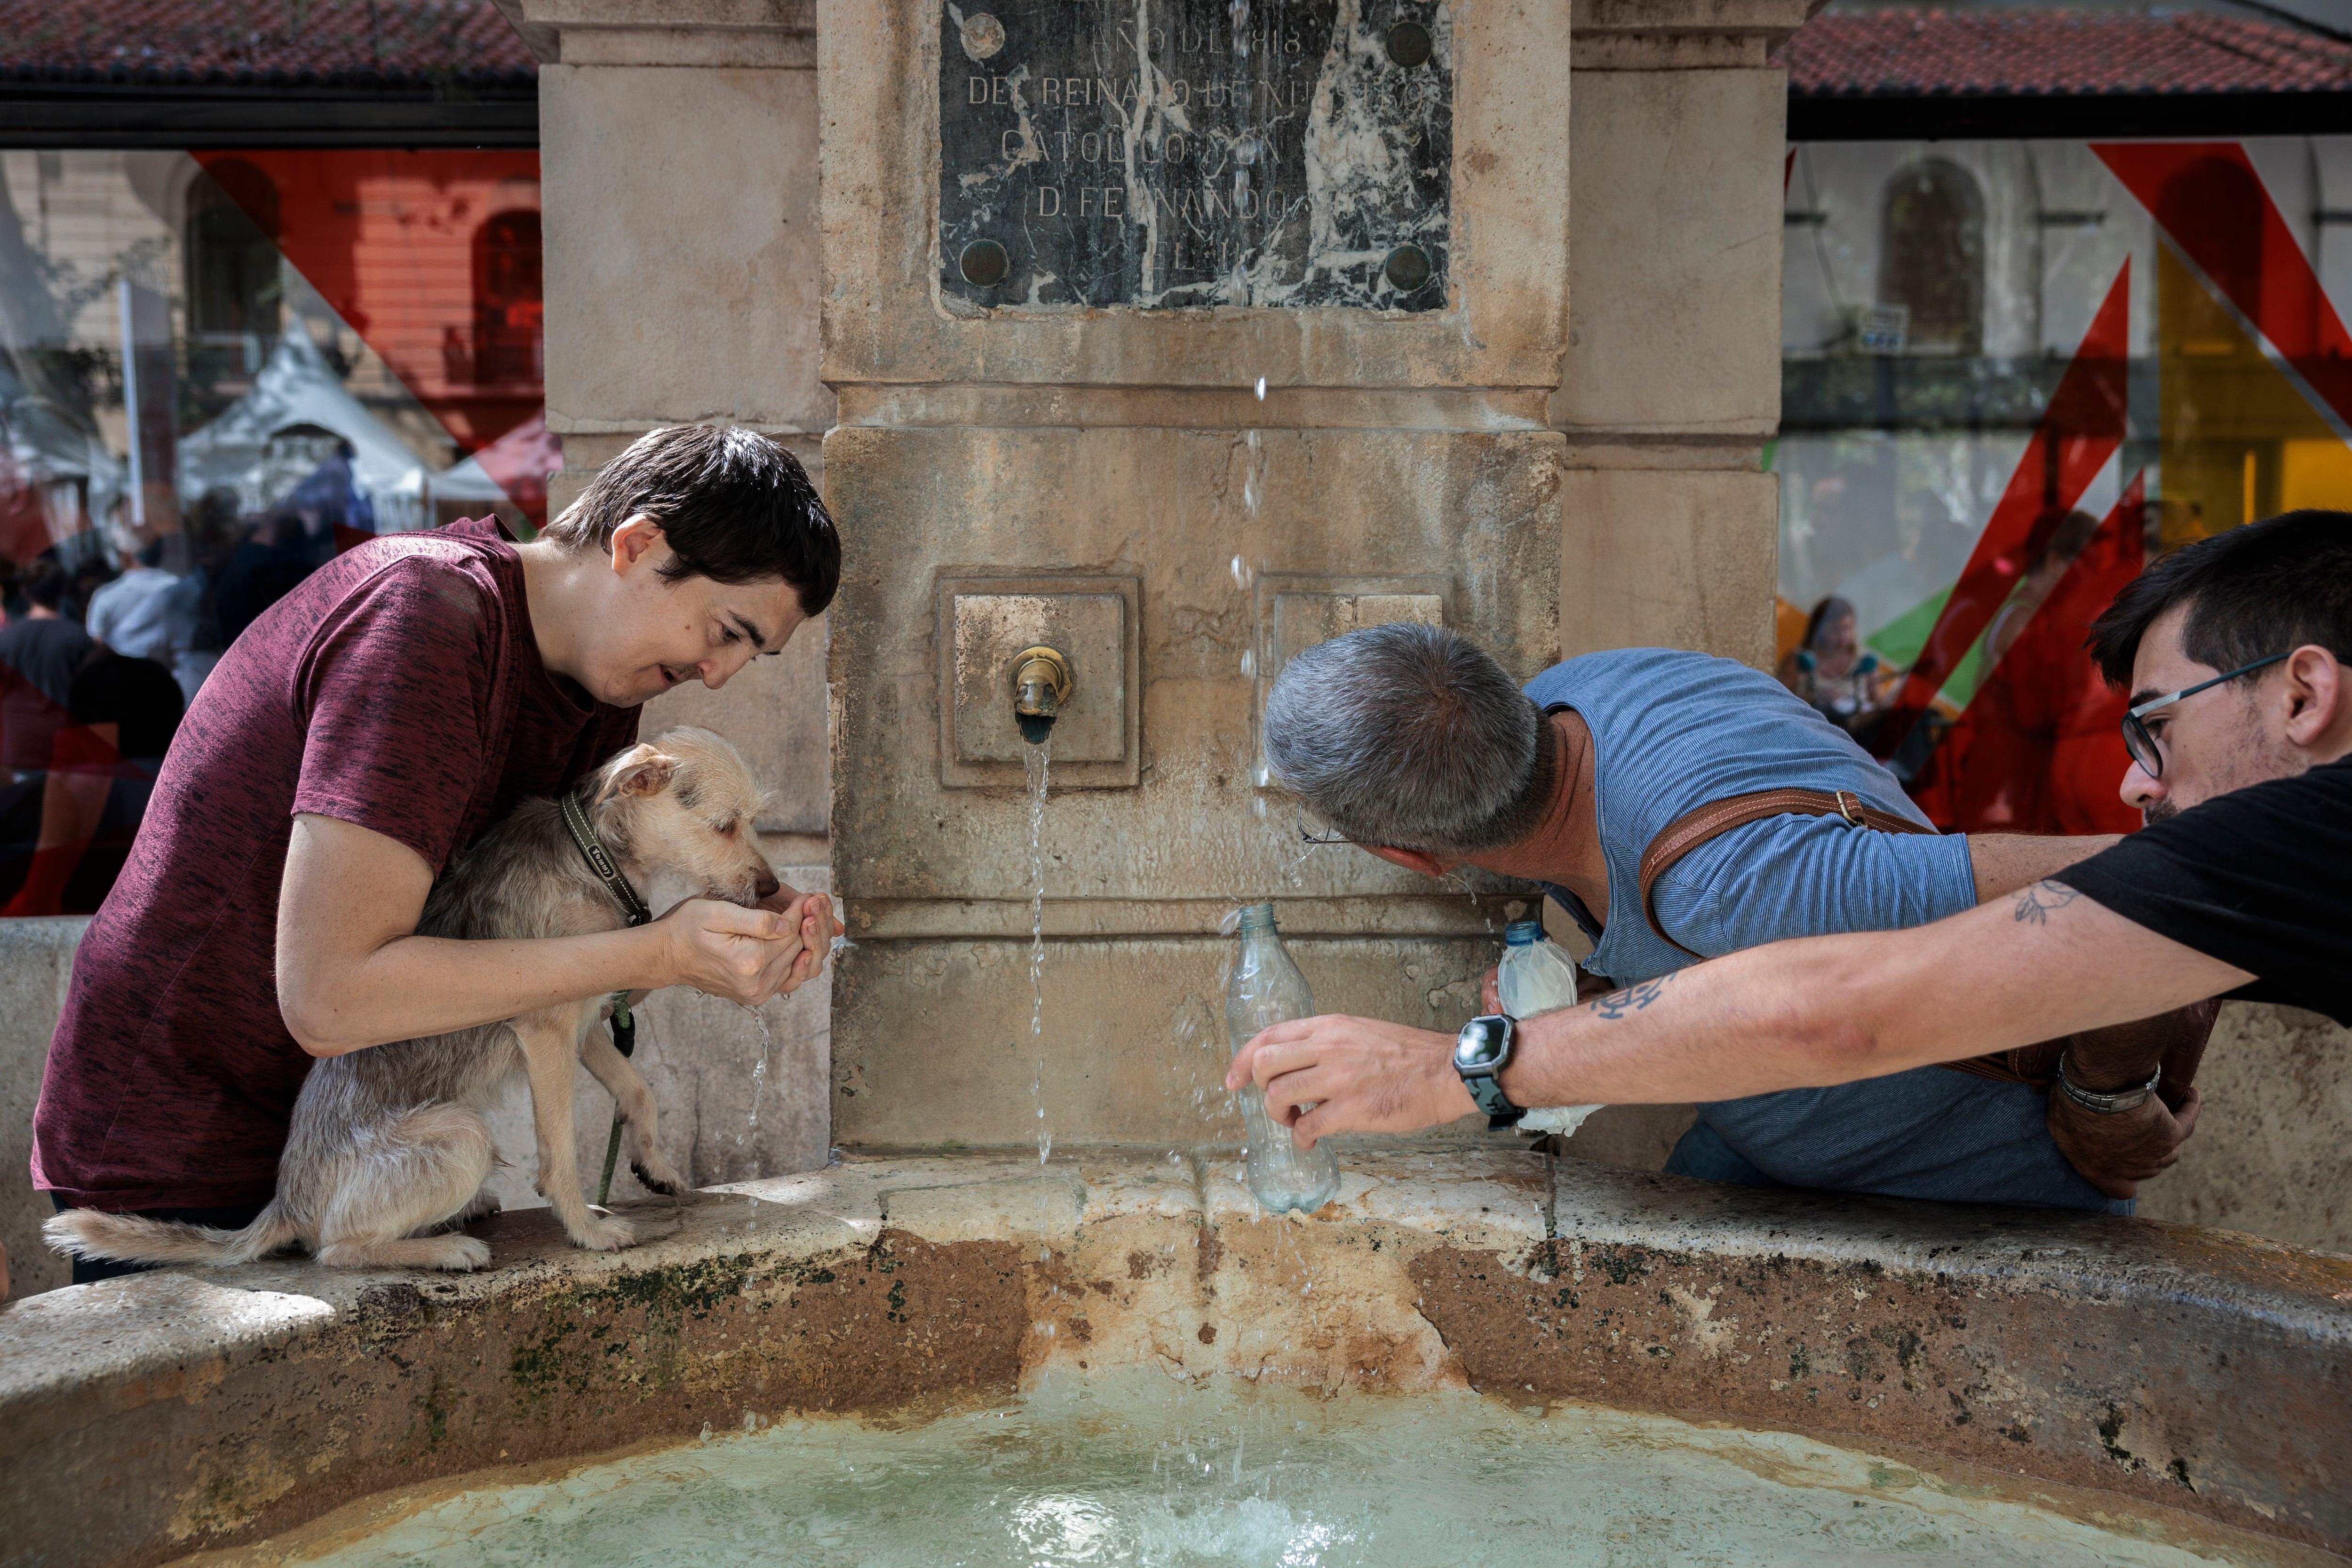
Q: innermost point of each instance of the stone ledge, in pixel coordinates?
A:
(2182, 1368)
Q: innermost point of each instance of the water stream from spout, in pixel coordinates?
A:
(1037, 761)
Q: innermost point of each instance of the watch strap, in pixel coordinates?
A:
(1487, 1091)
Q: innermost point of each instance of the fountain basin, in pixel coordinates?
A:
(2172, 1371)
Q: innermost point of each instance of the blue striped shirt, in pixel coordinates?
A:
(1673, 730)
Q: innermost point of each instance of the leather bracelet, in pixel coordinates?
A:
(2112, 1104)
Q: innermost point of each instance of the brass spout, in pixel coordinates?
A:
(1041, 684)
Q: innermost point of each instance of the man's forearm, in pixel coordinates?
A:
(417, 985)
(1833, 1009)
(2005, 862)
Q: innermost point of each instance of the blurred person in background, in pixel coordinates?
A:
(191, 614)
(2082, 714)
(2003, 740)
(85, 576)
(1833, 674)
(331, 510)
(42, 651)
(128, 614)
(267, 566)
(123, 713)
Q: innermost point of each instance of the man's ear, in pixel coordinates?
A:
(1410, 859)
(644, 771)
(2317, 697)
(631, 542)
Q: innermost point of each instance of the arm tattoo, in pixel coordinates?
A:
(2034, 904)
(1633, 999)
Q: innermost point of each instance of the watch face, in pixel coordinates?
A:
(1480, 1044)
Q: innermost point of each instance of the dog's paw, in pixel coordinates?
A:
(463, 1253)
(604, 1233)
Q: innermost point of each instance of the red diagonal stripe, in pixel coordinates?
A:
(2080, 430)
(2207, 197)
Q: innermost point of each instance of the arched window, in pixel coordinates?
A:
(1933, 259)
(232, 253)
(510, 309)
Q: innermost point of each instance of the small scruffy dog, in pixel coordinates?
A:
(388, 1144)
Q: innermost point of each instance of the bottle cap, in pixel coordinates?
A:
(1258, 917)
(1523, 934)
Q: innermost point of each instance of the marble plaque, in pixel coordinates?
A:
(1171, 153)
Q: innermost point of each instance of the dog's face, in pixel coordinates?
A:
(683, 805)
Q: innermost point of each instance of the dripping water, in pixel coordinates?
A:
(758, 1080)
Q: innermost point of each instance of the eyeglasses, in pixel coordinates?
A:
(1312, 837)
(2142, 746)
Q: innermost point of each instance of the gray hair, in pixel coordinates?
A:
(1409, 736)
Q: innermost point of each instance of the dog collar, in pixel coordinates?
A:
(592, 851)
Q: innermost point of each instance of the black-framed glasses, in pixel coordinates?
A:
(1311, 837)
(2142, 746)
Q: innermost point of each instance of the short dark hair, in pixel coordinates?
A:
(734, 507)
(1411, 737)
(46, 585)
(2267, 587)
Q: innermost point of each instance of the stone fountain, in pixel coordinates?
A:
(1098, 397)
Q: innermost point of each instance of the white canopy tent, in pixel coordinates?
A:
(242, 449)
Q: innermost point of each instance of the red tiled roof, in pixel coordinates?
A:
(2058, 52)
(260, 42)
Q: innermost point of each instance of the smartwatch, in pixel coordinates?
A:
(1481, 1051)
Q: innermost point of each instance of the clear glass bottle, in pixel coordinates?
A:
(1538, 976)
(1267, 989)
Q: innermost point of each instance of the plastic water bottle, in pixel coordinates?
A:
(1538, 976)
(1267, 989)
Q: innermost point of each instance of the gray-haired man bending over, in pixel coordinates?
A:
(1415, 745)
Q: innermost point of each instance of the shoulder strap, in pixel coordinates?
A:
(1686, 833)
(1713, 820)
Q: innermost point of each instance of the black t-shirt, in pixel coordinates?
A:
(137, 695)
(2259, 878)
(47, 653)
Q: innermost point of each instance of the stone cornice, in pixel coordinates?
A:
(708, 33)
(1682, 34)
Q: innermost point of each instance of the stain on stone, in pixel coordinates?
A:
(1208, 1334)
(2111, 1429)
(392, 1299)
(1208, 1256)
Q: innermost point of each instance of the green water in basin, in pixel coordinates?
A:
(1136, 1468)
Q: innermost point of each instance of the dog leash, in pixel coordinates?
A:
(625, 1028)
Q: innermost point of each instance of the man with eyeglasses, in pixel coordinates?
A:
(2238, 652)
